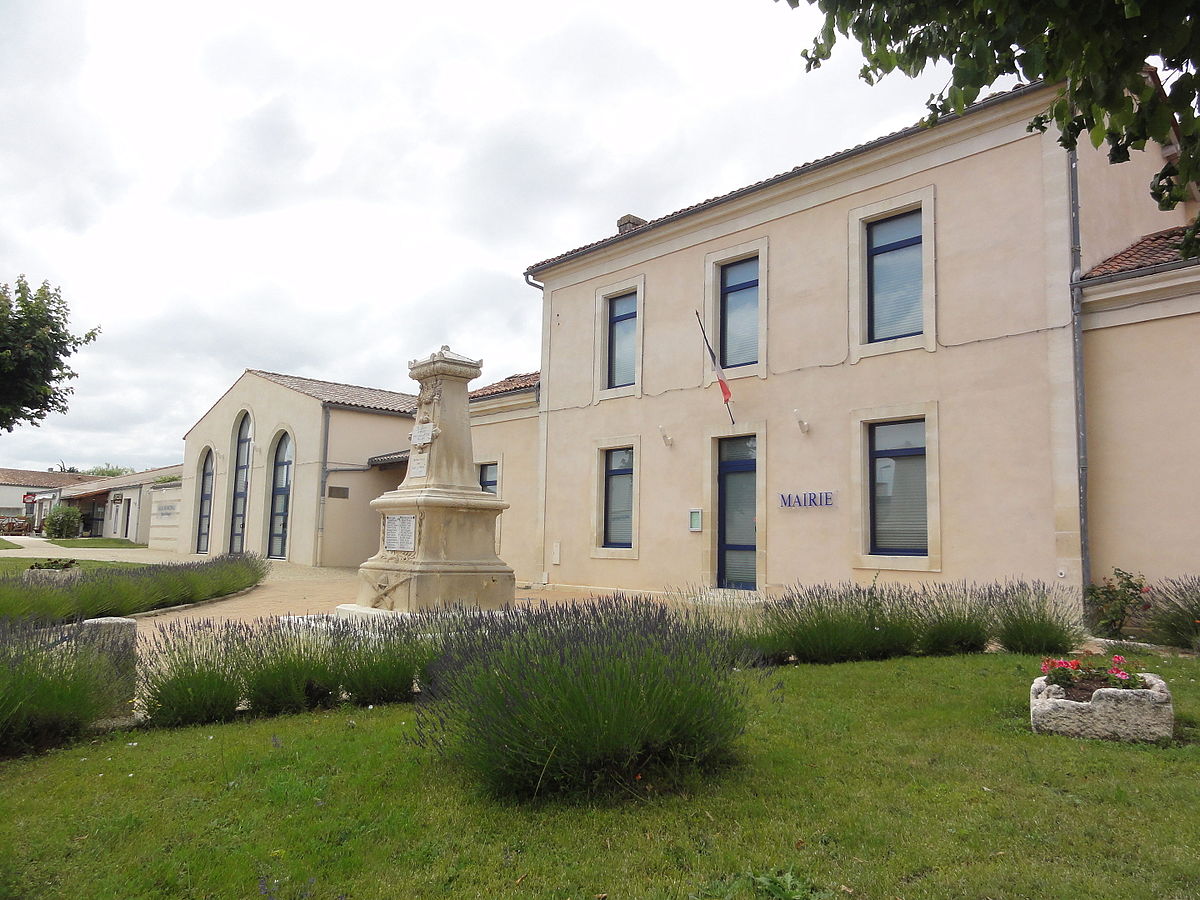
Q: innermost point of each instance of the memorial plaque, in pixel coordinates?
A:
(418, 465)
(422, 434)
(400, 533)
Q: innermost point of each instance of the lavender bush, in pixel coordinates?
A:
(190, 674)
(1034, 618)
(378, 659)
(827, 623)
(54, 682)
(286, 666)
(120, 592)
(605, 695)
(952, 619)
(1174, 615)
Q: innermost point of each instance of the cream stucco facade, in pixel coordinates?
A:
(987, 377)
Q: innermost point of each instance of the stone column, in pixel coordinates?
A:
(437, 532)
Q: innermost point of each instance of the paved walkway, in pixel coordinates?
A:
(287, 589)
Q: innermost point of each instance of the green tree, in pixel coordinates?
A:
(109, 469)
(63, 522)
(1097, 50)
(35, 342)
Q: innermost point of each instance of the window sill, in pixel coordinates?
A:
(898, 563)
(895, 345)
(614, 553)
(628, 390)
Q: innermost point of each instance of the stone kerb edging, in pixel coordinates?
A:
(1124, 714)
(158, 611)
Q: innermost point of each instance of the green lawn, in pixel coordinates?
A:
(99, 543)
(913, 778)
(11, 564)
(8, 545)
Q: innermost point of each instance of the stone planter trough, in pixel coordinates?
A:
(1121, 714)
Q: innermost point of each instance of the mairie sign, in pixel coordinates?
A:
(809, 498)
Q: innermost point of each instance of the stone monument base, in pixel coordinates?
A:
(411, 586)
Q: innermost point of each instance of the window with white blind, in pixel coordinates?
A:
(739, 313)
(894, 277)
(618, 497)
(899, 503)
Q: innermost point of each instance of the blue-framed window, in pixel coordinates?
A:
(899, 513)
(204, 512)
(622, 340)
(618, 497)
(894, 292)
(489, 477)
(739, 313)
(241, 487)
(281, 495)
(737, 500)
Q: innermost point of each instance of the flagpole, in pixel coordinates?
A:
(725, 393)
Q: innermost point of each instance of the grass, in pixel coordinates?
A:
(10, 565)
(8, 545)
(99, 543)
(911, 777)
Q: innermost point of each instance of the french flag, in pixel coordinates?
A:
(726, 394)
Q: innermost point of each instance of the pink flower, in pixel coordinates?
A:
(1045, 666)
(1145, 590)
(1073, 664)
(1118, 659)
(1118, 673)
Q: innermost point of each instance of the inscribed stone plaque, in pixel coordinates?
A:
(422, 434)
(400, 533)
(418, 465)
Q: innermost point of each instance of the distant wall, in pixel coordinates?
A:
(166, 504)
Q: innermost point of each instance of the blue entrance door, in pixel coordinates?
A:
(736, 513)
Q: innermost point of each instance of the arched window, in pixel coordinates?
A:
(281, 491)
(204, 513)
(241, 487)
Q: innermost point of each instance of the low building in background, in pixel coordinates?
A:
(120, 506)
(30, 494)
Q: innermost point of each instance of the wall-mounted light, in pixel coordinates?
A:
(800, 421)
(667, 439)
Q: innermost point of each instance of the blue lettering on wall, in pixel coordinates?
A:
(806, 499)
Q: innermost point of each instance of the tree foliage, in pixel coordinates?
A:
(35, 342)
(1097, 50)
(109, 469)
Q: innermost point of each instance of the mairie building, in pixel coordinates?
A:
(952, 353)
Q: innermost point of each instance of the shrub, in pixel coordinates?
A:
(952, 619)
(1114, 601)
(1035, 618)
(590, 697)
(836, 623)
(54, 682)
(189, 675)
(1174, 616)
(287, 666)
(63, 522)
(120, 592)
(379, 658)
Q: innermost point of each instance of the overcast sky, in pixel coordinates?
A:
(331, 190)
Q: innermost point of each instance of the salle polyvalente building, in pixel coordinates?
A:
(954, 353)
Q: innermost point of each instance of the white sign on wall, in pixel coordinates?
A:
(421, 434)
(400, 533)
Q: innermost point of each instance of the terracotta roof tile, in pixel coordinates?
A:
(796, 172)
(511, 384)
(345, 394)
(388, 459)
(1151, 250)
(35, 479)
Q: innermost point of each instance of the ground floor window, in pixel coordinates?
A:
(281, 493)
(899, 506)
(618, 497)
(489, 477)
(737, 494)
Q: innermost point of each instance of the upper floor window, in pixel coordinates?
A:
(894, 288)
(618, 497)
(899, 508)
(739, 313)
(489, 477)
(622, 340)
